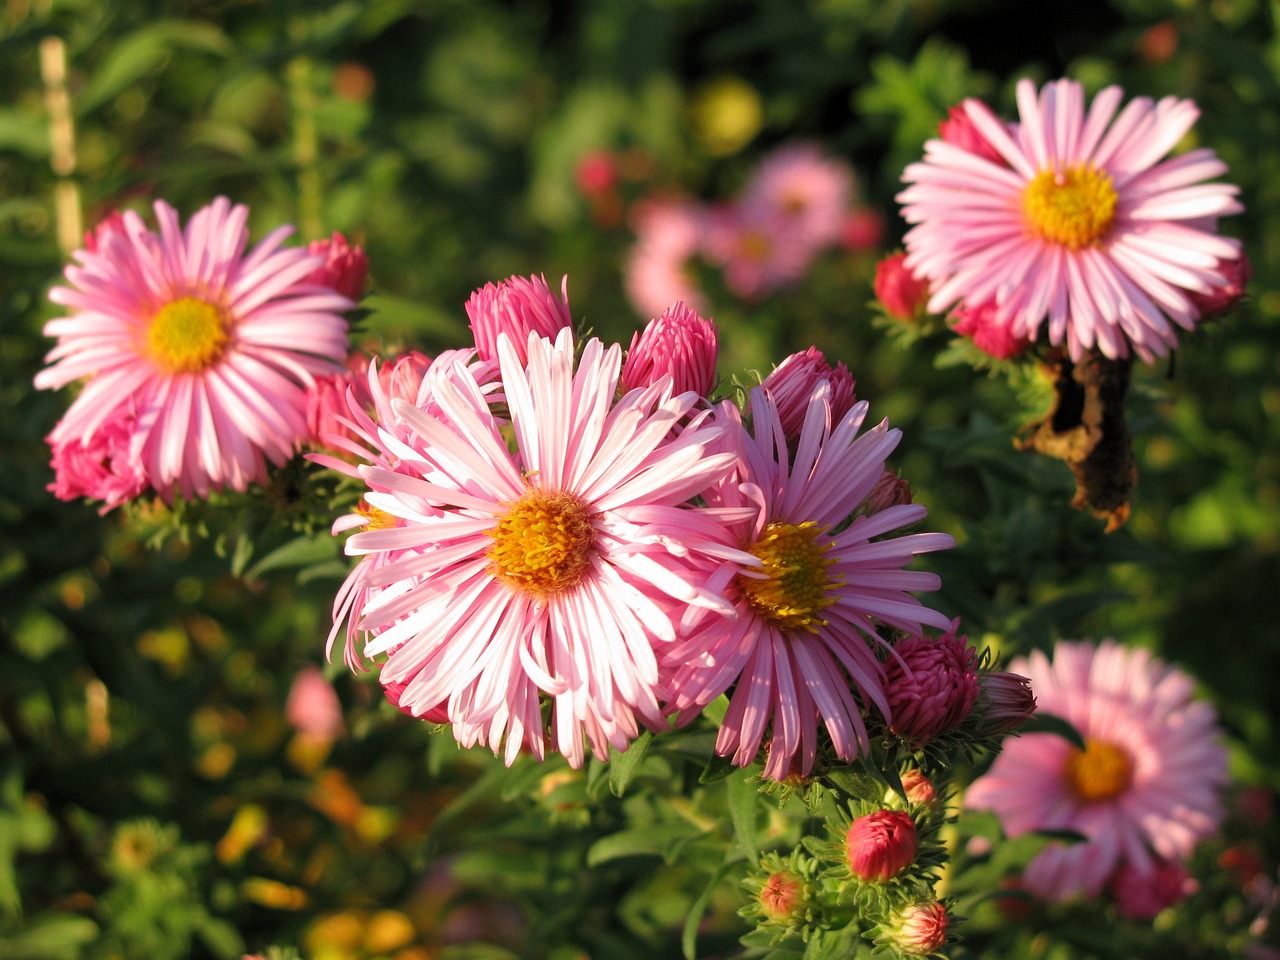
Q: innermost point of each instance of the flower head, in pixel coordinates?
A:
(312, 707)
(918, 787)
(498, 579)
(1081, 223)
(960, 130)
(931, 684)
(980, 324)
(207, 348)
(1146, 786)
(106, 465)
(804, 191)
(756, 248)
(900, 291)
(679, 344)
(881, 845)
(798, 651)
(791, 384)
(670, 233)
(517, 307)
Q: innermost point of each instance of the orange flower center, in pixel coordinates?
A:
(795, 586)
(187, 335)
(544, 544)
(1073, 207)
(378, 519)
(1099, 772)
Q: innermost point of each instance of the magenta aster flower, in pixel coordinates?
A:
(498, 580)
(1082, 225)
(1146, 786)
(931, 685)
(679, 344)
(798, 652)
(517, 307)
(209, 349)
(791, 384)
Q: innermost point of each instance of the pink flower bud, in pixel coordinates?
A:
(313, 707)
(918, 787)
(792, 383)
(327, 402)
(595, 173)
(958, 129)
(862, 229)
(345, 267)
(920, 928)
(995, 339)
(783, 895)
(394, 692)
(931, 686)
(679, 343)
(881, 845)
(106, 465)
(402, 376)
(1222, 299)
(1141, 894)
(890, 491)
(96, 239)
(900, 291)
(1005, 700)
(517, 307)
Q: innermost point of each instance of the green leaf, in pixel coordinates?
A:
(689, 936)
(1041, 722)
(144, 51)
(651, 841)
(50, 936)
(302, 552)
(622, 766)
(743, 795)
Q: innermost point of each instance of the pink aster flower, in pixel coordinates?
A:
(210, 349)
(758, 248)
(881, 845)
(931, 685)
(981, 325)
(792, 382)
(660, 267)
(806, 191)
(679, 344)
(517, 307)
(496, 581)
(106, 465)
(799, 651)
(1146, 788)
(1084, 225)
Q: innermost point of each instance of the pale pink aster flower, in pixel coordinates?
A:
(792, 382)
(1141, 894)
(660, 267)
(210, 349)
(799, 651)
(981, 325)
(312, 706)
(931, 685)
(549, 573)
(517, 307)
(1083, 225)
(105, 465)
(805, 190)
(680, 344)
(345, 267)
(1146, 788)
(881, 845)
(758, 249)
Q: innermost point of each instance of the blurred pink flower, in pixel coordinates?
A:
(901, 293)
(931, 685)
(791, 384)
(758, 249)
(345, 267)
(1145, 789)
(312, 706)
(208, 348)
(1083, 226)
(804, 191)
(517, 307)
(596, 173)
(103, 466)
(881, 845)
(1141, 894)
(980, 324)
(659, 269)
(501, 578)
(680, 344)
(862, 230)
(797, 654)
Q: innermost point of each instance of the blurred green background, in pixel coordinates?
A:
(154, 801)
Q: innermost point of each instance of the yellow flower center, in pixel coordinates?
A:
(187, 335)
(795, 584)
(544, 544)
(1072, 207)
(755, 245)
(1099, 772)
(378, 519)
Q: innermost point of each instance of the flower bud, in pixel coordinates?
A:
(881, 845)
(931, 686)
(992, 338)
(345, 267)
(918, 787)
(792, 383)
(918, 929)
(679, 343)
(312, 707)
(1005, 700)
(900, 291)
(783, 896)
(960, 130)
(1222, 299)
(517, 307)
(1141, 894)
(890, 491)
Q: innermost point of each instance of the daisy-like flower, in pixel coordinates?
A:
(209, 349)
(1146, 787)
(496, 581)
(808, 193)
(799, 651)
(1082, 224)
